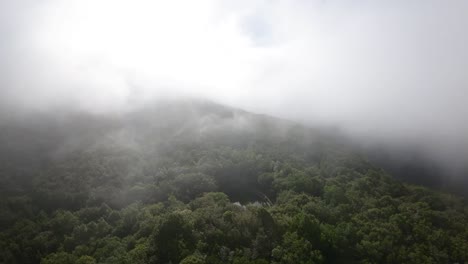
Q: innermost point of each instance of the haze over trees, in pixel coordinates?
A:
(220, 131)
(197, 182)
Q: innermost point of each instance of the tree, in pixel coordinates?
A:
(172, 241)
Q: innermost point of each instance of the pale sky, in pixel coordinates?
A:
(387, 70)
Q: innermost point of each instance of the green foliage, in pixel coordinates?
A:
(173, 240)
(193, 259)
(295, 249)
(227, 196)
(59, 258)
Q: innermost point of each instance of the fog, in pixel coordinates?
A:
(389, 73)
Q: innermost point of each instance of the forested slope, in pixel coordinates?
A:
(196, 182)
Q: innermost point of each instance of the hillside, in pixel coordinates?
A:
(196, 182)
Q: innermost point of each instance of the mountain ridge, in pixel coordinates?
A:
(202, 183)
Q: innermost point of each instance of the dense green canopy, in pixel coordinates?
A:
(210, 186)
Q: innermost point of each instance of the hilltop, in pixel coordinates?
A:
(197, 182)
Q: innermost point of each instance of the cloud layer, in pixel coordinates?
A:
(383, 70)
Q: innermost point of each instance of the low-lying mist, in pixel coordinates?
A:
(388, 76)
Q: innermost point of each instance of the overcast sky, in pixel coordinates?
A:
(384, 69)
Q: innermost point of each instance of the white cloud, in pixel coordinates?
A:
(395, 68)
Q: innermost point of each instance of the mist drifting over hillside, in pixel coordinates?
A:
(241, 132)
(385, 73)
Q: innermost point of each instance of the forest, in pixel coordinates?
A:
(203, 183)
